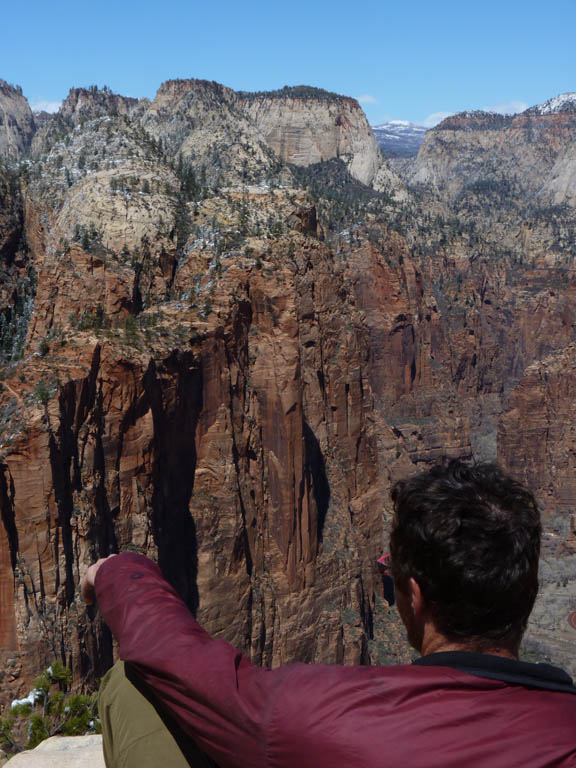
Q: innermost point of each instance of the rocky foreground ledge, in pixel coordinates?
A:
(62, 752)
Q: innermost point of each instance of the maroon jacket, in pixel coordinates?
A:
(498, 714)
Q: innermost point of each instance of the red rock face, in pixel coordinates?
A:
(244, 460)
(251, 450)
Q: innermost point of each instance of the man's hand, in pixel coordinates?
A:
(87, 581)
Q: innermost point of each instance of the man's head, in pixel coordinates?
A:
(467, 538)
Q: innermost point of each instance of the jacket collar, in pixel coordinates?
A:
(510, 671)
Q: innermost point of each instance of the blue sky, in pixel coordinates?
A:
(403, 60)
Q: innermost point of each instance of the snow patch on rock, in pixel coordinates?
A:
(565, 102)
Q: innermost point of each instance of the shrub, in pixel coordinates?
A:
(42, 392)
(49, 709)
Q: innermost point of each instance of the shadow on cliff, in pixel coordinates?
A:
(175, 410)
(316, 476)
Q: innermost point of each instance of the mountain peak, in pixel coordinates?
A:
(564, 102)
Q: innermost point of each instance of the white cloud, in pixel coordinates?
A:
(508, 108)
(43, 105)
(435, 118)
(367, 98)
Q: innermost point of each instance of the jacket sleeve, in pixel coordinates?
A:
(207, 685)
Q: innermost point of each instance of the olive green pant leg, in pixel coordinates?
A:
(135, 734)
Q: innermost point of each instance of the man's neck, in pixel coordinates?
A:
(434, 642)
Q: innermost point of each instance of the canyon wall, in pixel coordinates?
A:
(221, 363)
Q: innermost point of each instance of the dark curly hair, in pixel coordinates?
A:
(470, 536)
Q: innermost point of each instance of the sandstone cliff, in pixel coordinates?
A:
(537, 442)
(229, 138)
(107, 182)
(305, 126)
(148, 319)
(311, 129)
(229, 437)
(88, 103)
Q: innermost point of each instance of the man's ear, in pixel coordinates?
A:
(416, 599)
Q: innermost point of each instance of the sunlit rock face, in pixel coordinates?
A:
(314, 127)
(224, 361)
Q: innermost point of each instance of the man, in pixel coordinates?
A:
(464, 548)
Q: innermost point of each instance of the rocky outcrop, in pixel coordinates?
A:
(80, 106)
(109, 186)
(305, 126)
(16, 122)
(83, 104)
(63, 752)
(202, 122)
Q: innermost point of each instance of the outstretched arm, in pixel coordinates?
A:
(207, 685)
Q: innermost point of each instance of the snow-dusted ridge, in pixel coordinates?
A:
(565, 102)
(399, 137)
(400, 126)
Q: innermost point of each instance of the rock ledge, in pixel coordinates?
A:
(63, 752)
